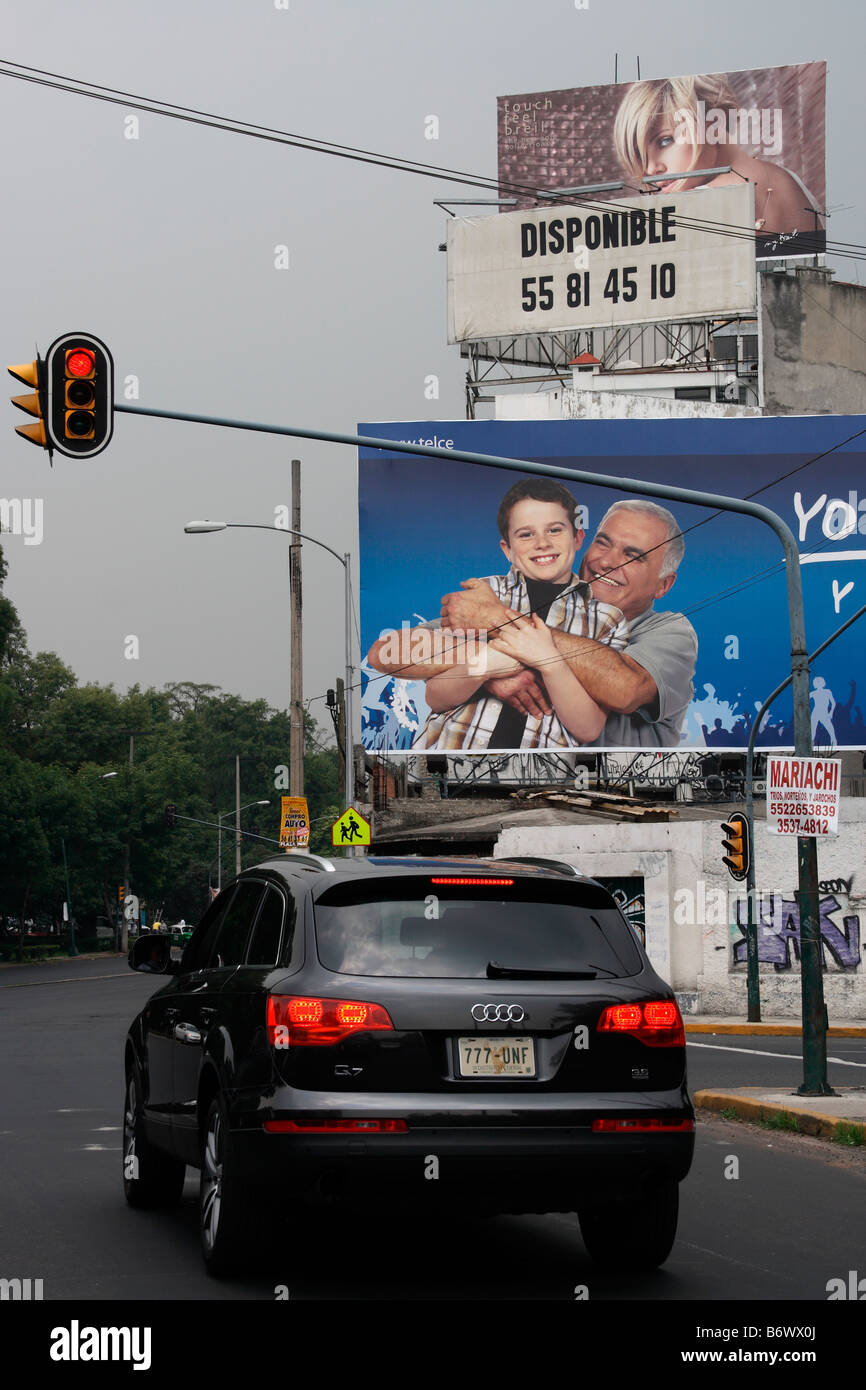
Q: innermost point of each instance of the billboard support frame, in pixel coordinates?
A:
(812, 986)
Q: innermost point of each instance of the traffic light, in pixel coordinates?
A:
(33, 374)
(80, 379)
(121, 893)
(738, 846)
(171, 816)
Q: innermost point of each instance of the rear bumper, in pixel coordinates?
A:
(538, 1156)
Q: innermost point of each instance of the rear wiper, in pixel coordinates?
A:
(495, 971)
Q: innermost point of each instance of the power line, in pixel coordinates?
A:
(195, 116)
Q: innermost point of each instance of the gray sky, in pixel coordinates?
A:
(164, 247)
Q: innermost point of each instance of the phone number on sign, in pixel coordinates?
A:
(819, 807)
(538, 290)
(803, 827)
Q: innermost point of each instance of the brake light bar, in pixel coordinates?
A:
(331, 1126)
(657, 1023)
(484, 882)
(642, 1126)
(299, 1021)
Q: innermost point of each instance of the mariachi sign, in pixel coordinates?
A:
(803, 796)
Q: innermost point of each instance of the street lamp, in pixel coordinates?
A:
(232, 811)
(194, 528)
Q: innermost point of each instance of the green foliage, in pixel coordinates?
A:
(851, 1134)
(66, 780)
(783, 1119)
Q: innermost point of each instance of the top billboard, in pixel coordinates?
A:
(767, 124)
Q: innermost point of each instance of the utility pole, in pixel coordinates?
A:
(237, 813)
(296, 726)
(124, 925)
(340, 727)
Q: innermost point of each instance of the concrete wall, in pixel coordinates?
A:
(568, 404)
(693, 909)
(812, 333)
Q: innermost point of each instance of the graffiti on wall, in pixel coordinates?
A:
(630, 898)
(778, 920)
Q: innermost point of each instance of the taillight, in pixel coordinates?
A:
(296, 1021)
(658, 1024)
(336, 1126)
(642, 1126)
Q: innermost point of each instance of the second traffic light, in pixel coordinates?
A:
(33, 374)
(80, 384)
(738, 845)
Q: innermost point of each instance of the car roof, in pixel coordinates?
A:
(299, 864)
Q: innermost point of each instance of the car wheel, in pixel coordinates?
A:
(225, 1213)
(150, 1178)
(634, 1234)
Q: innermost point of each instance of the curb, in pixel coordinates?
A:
(813, 1122)
(775, 1030)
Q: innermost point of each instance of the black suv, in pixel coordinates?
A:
(480, 1032)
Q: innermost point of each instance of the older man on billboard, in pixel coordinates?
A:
(643, 690)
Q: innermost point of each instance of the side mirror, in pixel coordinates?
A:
(152, 954)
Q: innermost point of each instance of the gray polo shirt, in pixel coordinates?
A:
(666, 646)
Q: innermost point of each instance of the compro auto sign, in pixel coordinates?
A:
(803, 795)
(640, 260)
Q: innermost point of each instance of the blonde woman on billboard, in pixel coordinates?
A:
(677, 124)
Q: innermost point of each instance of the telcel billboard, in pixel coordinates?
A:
(639, 260)
(573, 626)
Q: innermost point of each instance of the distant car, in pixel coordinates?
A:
(338, 1025)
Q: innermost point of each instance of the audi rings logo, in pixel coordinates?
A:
(497, 1013)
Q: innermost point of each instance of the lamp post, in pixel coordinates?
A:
(194, 528)
(231, 811)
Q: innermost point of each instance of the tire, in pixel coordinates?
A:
(150, 1178)
(226, 1224)
(634, 1234)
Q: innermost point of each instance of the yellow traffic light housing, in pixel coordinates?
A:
(738, 845)
(33, 374)
(80, 378)
(72, 396)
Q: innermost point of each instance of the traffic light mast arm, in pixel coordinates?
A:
(247, 834)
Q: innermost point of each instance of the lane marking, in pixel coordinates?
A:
(754, 1052)
(70, 980)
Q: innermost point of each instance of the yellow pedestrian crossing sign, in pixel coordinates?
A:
(351, 829)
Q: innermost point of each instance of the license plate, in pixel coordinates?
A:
(496, 1056)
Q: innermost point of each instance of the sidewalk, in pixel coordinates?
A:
(769, 1027)
(817, 1115)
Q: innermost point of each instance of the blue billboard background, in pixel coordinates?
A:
(426, 524)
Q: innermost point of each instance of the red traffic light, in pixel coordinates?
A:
(80, 379)
(80, 362)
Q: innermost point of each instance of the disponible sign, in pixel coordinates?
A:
(803, 796)
(640, 260)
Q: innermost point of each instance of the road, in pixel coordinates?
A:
(786, 1224)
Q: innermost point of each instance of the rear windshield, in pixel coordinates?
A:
(411, 927)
